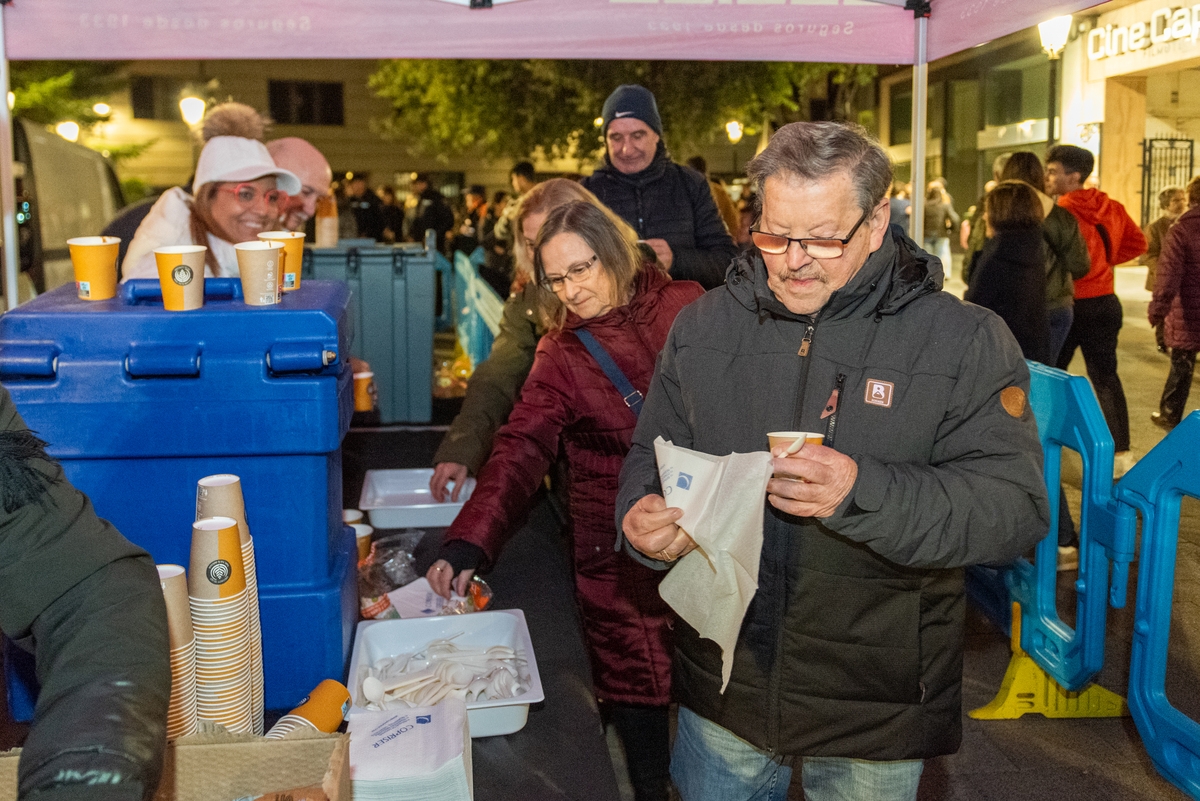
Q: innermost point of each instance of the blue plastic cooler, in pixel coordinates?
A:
(138, 403)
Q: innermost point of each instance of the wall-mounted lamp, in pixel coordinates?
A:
(192, 110)
(1054, 34)
(68, 130)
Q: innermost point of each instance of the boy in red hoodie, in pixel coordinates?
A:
(1112, 237)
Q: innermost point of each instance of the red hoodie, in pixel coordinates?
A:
(1095, 211)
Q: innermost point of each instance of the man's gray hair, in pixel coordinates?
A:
(813, 151)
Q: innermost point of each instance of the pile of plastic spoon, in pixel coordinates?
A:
(440, 669)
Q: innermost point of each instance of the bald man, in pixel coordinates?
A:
(298, 156)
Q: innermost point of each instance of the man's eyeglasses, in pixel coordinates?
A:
(777, 244)
(251, 195)
(575, 274)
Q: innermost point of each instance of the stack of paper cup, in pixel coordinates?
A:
(221, 496)
(323, 709)
(181, 716)
(217, 595)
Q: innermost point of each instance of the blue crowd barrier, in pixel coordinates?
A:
(444, 320)
(1068, 415)
(477, 307)
(1155, 487)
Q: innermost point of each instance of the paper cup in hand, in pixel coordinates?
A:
(95, 261)
(787, 438)
(325, 707)
(364, 397)
(293, 256)
(258, 266)
(362, 535)
(216, 571)
(181, 276)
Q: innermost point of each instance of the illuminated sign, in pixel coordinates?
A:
(1169, 24)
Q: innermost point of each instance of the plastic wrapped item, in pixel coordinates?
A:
(388, 565)
(478, 597)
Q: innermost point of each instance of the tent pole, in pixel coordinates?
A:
(8, 195)
(920, 94)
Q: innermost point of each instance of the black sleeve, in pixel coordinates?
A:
(708, 259)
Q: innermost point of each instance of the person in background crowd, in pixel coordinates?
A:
(393, 214)
(495, 210)
(595, 282)
(498, 244)
(849, 659)
(522, 177)
(238, 194)
(87, 603)
(728, 211)
(940, 220)
(747, 216)
(429, 211)
(668, 205)
(225, 119)
(1112, 238)
(1066, 253)
(299, 157)
(1175, 307)
(496, 382)
(469, 229)
(899, 206)
(366, 208)
(1009, 276)
(1172, 201)
(972, 232)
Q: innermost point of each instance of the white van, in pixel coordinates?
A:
(64, 190)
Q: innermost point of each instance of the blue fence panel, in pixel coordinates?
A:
(1155, 486)
(446, 317)
(477, 307)
(1068, 415)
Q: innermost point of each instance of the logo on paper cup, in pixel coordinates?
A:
(218, 572)
(85, 289)
(684, 482)
(182, 275)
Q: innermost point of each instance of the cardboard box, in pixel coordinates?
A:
(307, 766)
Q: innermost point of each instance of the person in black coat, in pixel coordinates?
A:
(669, 205)
(1009, 274)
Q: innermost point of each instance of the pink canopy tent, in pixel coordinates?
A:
(837, 31)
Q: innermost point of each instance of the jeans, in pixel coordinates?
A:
(710, 763)
(939, 246)
(1060, 320)
(1095, 329)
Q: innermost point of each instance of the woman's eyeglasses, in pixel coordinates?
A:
(777, 244)
(575, 273)
(251, 195)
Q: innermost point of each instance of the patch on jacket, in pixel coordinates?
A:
(879, 393)
(1013, 401)
(21, 483)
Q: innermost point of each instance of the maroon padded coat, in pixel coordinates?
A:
(568, 398)
(1177, 285)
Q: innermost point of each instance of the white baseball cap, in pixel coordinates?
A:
(235, 158)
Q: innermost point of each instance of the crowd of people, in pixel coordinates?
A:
(641, 306)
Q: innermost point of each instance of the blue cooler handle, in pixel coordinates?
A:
(138, 290)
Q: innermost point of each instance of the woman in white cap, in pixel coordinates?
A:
(237, 194)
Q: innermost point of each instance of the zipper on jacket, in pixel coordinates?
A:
(832, 408)
(806, 342)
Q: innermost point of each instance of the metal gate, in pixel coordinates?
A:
(1165, 162)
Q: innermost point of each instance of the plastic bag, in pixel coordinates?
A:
(389, 565)
(478, 597)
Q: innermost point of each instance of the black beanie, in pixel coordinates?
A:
(631, 100)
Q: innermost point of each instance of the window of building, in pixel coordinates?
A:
(1018, 91)
(154, 97)
(306, 102)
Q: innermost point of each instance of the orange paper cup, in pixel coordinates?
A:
(326, 706)
(293, 256)
(362, 535)
(259, 270)
(95, 261)
(181, 276)
(216, 569)
(364, 398)
(785, 438)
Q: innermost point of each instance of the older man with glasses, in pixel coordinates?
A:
(849, 662)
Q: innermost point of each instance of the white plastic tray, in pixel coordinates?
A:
(401, 499)
(376, 639)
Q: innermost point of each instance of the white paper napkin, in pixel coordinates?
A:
(722, 501)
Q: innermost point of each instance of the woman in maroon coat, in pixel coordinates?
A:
(594, 278)
(1176, 304)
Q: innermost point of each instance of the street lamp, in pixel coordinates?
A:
(68, 130)
(192, 110)
(1054, 33)
(734, 129)
(102, 109)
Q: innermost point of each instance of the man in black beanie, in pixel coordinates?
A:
(668, 204)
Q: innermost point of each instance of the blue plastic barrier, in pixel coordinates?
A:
(1155, 487)
(1069, 415)
(444, 321)
(477, 308)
